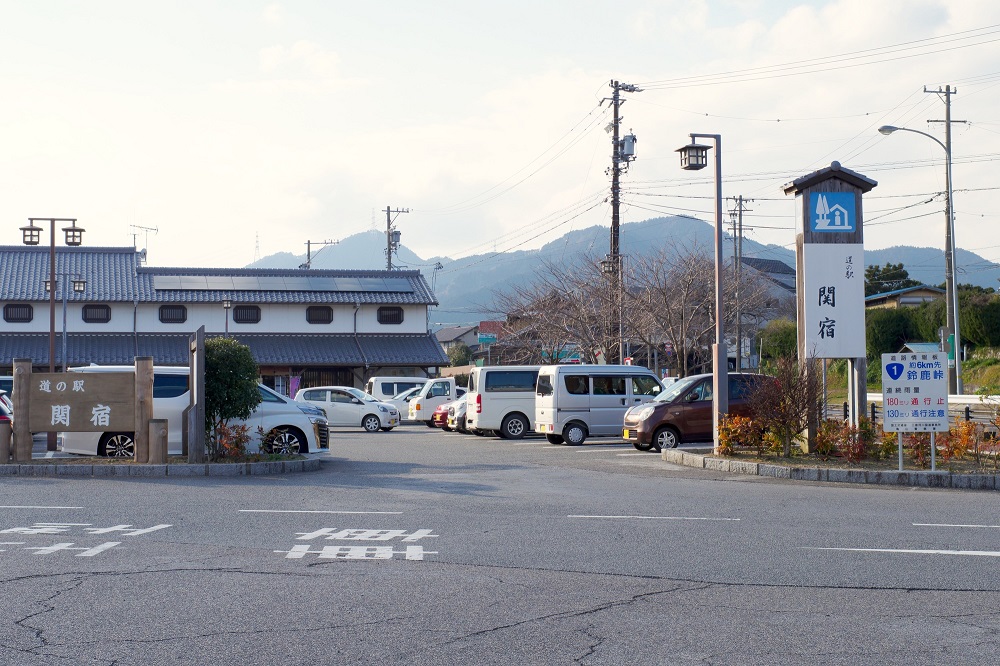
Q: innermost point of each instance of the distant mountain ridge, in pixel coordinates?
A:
(465, 287)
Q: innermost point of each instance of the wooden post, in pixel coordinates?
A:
(22, 405)
(6, 433)
(195, 421)
(157, 441)
(143, 406)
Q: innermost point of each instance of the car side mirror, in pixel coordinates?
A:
(690, 397)
(355, 401)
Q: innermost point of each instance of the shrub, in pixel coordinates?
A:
(230, 441)
(738, 432)
(230, 387)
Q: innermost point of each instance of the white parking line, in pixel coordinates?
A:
(948, 525)
(980, 553)
(660, 518)
(389, 513)
(40, 507)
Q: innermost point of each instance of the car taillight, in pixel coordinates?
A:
(479, 404)
(4, 417)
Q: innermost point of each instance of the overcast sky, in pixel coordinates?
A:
(229, 126)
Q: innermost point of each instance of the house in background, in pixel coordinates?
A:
(908, 297)
(452, 336)
(304, 327)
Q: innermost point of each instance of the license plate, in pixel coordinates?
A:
(625, 434)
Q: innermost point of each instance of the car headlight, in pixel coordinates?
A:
(383, 409)
(643, 413)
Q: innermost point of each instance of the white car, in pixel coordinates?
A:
(300, 430)
(401, 401)
(349, 406)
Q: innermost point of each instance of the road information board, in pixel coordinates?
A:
(915, 392)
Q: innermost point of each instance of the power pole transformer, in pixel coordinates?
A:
(622, 153)
(391, 234)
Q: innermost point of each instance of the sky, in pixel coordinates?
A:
(214, 132)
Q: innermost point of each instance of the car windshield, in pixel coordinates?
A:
(406, 393)
(361, 395)
(675, 389)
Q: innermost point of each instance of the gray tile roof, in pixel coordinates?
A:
(171, 349)
(115, 274)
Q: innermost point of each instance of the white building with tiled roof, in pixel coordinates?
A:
(307, 327)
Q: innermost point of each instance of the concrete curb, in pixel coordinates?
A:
(56, 469)
(919, 479)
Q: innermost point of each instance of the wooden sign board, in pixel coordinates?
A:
(82, 402)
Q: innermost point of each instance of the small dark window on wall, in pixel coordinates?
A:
(246, 314)
(393, 315)
(96, 313)
(17, 313)
(173, 314)
(319, 314)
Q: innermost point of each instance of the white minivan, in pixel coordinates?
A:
(301, 430)
(385, 388)
(502, 399)
(573, 402)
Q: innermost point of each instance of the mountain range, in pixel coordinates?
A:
(465, 287)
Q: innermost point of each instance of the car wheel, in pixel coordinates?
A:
(574, 434)
(371, 423)
(429, 424)
(665, 438)
(642, 447)
(288, 441)
(117, 445)
(446, 427)
(555, 439)
(387, 429)
(513, 426)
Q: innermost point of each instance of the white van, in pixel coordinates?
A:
(502, 399)
(435, 392)
(304, 429)
(384, 388)
(573, 402)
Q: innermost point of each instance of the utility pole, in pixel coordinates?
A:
(391, 235)
(951, 286)
(309, 255)
(622, 152)
(736, 215)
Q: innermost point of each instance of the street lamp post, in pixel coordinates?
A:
(31, 235)
(79, 284)
(694, 157)
(951, 287)
(226, 305)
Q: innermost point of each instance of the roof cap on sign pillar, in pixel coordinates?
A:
(835, 170)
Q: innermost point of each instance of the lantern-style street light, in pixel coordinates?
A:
(694, 157)
(31, 235)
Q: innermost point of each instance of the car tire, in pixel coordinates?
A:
(429, 424)
(116, 445)
(446, 428)
(574, 434)
(513, 426)
(288, 441)
(371, 423)
(555, 439)
(665, 437)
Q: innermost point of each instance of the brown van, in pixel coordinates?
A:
(683, 412)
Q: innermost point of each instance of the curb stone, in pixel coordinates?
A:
(156, 471)
(928, 479)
